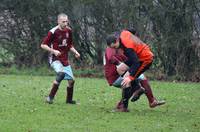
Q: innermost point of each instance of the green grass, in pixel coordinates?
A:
(47, 70)
(22, 107)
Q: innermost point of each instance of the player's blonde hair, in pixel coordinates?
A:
(62, 15)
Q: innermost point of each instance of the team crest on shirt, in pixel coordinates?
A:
(64, 43)
(63, 40)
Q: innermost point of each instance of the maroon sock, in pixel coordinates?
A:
(53, 90)
(145, 84)
(70, 91)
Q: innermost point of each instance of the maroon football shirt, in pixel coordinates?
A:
(112, 58)
(59, 40)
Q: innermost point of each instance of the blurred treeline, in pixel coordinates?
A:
(170, 27)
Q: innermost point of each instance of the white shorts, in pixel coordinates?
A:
(119, 80)
(58, 67)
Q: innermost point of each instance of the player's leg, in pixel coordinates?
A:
(70, 91)
(122, 105)
(58, 67)
(139, 90)
(153, 102)
(127, 92)
(138, 74)
(122, 68)
(144, 83)
(136, 91)
(70, 88)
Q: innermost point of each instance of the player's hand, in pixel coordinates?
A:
(77, 55)
(126, 82)
(56, 52)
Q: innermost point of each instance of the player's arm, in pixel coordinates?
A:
(133, 61)
(73, 50)
(47, 40)
(51, 50)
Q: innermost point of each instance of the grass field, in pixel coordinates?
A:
(22, 107)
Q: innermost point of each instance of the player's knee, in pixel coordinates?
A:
(122, 68)
(142, 77)
(71, 83)
(60, 76)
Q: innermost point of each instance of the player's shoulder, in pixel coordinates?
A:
(53, 30)
(125, 36)
(69, 28)
(125, 33)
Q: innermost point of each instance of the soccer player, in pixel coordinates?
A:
(113, 56)
(112, 73)
(138, 53)
(153, 102)
(58, 43)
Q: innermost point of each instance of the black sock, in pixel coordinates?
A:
(126, 96)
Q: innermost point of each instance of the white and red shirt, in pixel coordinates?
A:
(60, 40)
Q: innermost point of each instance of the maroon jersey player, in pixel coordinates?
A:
(58, 43)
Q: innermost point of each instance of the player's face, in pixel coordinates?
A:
(63, 22)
